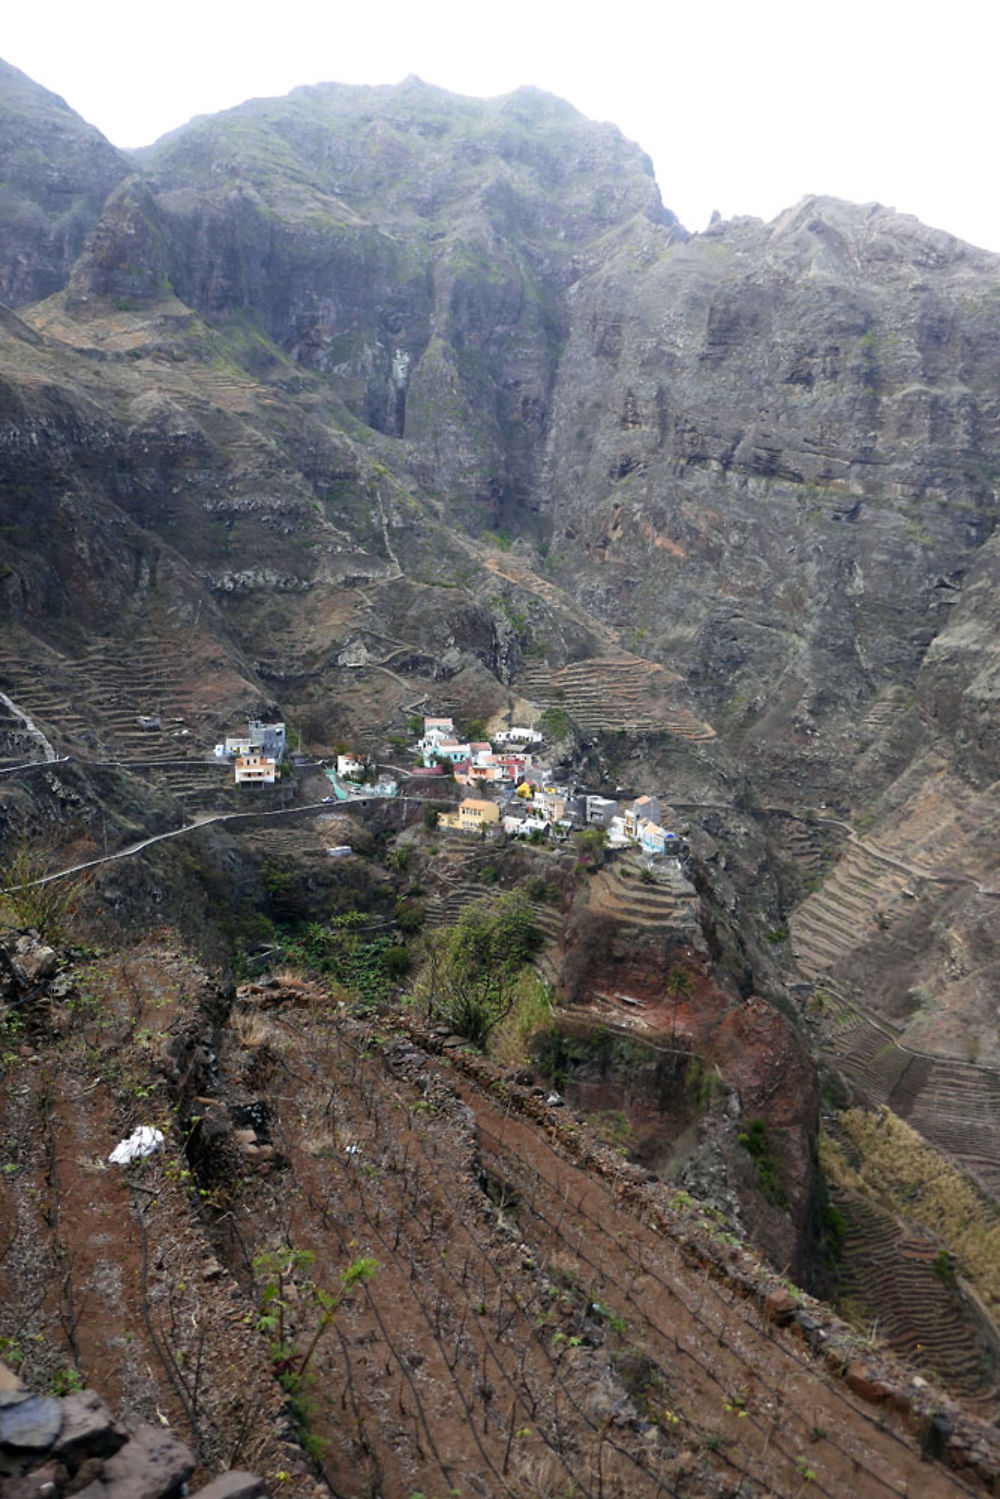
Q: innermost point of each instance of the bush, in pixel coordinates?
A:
(766, 1168)
(472, 976)
(554, 722)
(26, 903)
(410, 916)
(397, 962)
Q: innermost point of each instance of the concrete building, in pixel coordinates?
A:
(518, 736)
(350, 765)
(255, 770)
(447, 751)
(550, 803)
(268, 739)
(520, 827)
(600, 810)
(470, 816)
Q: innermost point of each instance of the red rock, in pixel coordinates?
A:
(780, 1306)
(863, 1382)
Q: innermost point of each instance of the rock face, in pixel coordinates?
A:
(57, 172)
(793, 429)
(412, 247)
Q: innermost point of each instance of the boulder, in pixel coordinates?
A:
(152, 1465)
(89, 1430)
(31, 1425)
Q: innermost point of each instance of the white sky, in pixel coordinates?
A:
(744, 107)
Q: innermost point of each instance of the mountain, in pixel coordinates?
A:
(370, 399)
(57, 172)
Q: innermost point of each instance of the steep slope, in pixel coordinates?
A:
(367, 398)
(55, 173)
(774, 455)
(413, 247)
(541, 1315)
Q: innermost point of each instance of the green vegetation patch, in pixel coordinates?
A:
(767, 1170)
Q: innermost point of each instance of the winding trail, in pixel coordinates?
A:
(204, 820)
(939, 877)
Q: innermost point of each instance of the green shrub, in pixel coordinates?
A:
(471, 978)
(766, 1169)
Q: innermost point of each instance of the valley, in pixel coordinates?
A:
(364, 405)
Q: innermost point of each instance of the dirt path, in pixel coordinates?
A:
(203, 820)
(939, 877)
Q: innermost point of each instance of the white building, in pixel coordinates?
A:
(350, 765)
(518, 736)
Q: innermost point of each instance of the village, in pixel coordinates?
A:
(518, 793)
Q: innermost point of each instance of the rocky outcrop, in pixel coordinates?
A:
(58, 170)
(50, 1447)
(792, 429)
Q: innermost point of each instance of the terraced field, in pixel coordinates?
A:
(606, 693)
(93, 702)
(955, 1105)
(861, 895)
(894, 1278)
(457, 884)
(663, 904)
(886, 709)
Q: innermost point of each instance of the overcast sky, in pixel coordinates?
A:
(744, 107)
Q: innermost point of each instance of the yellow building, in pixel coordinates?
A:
(471, 815)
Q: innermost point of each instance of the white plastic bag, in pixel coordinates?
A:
(141, 1142)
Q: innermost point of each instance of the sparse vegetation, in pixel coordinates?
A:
(904, 1174)
(47, 908)
(472, 970)
(767, 1170)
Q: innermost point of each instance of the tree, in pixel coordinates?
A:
(679, 984)
(473, 968)
(29, 899)
(591, 842)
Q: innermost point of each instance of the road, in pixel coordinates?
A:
(204, 820)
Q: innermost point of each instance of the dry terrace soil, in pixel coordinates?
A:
(529, 1332)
